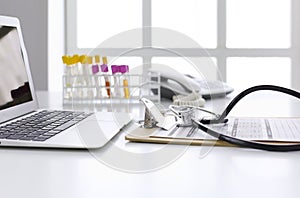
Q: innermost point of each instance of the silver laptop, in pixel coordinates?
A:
(23, 125)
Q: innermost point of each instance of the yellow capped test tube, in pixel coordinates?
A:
(68, 70)
(83, 73)
(89, 80)
(89, 62)
(75, 66)
(67, 60)
(84, 69)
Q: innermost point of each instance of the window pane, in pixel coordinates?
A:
(202, 67)
(245, 72)
(194, 18)
(258, 23)
(99, 20)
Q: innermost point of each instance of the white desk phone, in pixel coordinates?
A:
(173, 83)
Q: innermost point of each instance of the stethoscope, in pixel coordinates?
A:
(215, 119)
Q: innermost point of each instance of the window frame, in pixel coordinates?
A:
(221, 52)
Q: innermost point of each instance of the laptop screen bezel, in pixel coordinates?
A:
(24, 108)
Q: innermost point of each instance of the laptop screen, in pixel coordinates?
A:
(14, 84)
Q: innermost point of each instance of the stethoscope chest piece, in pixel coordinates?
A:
(184, 113)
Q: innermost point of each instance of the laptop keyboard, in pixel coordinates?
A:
(41, 126)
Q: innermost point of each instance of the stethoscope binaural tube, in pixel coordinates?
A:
(245, 143)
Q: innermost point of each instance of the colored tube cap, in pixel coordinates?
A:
(65, 59)
(95, 69)
(123, 69)
(115, 69)
(83, 59)
(76, 58)
(104, 68)
(89, 59)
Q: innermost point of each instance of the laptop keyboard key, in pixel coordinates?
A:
(49, 134)
(41, 138)
(26, 138)
(66, 125)
(3, 136)
(14, 137)
(36, 133)
(54, 131)
(8, 133)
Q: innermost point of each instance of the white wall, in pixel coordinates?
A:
(33, 15)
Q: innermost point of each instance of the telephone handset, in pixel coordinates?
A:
(179, 84)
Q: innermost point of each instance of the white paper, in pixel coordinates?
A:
(264, 129)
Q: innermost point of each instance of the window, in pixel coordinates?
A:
(99, 20)
(258, 24)
(261, 37)
(245, 72)
(195, 18)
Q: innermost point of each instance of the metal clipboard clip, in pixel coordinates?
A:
(154, 118)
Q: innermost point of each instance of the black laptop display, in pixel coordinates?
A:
(14, 85)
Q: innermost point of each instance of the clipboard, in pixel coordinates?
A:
(146, 135)
(143, 135)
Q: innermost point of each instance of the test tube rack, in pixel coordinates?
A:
(92, 89)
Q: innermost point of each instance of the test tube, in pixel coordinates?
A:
(82, 74)
(116, 74)
(67, 73)
(89, 80)
(124, 69)
(84, 69)
(82, 59)
(67, 70)
(104, 70)
(75, 70)
(95, 71)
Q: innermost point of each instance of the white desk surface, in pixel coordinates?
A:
(196, 172)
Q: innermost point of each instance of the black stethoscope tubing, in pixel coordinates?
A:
(201, 124)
